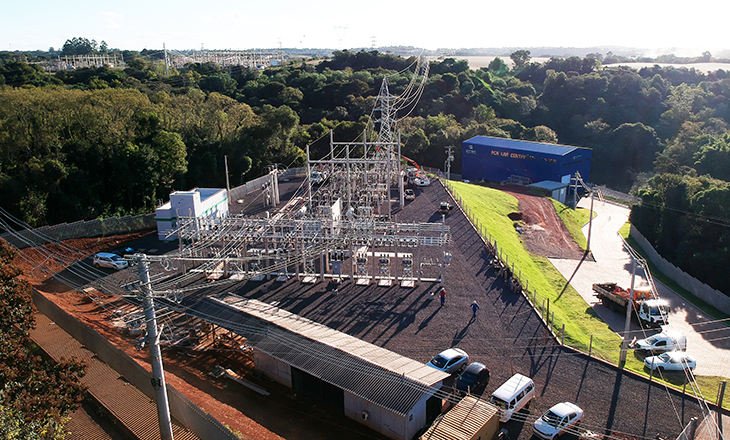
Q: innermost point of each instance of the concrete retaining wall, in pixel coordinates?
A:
(256, 184)
(80, 229)
(699, 289)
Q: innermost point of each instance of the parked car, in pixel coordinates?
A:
(444, 207)
(474, 378)
(409, 194)
(109, 260)
(670, 361)
(122, 251)
(667, 340)
(557, 420)
(450, 360)
(421, 181)
(318, 177)
(512, 396)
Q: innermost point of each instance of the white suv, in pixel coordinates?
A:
(112, 261)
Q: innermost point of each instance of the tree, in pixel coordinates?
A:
(78, 46)
(520, 58)
(34, 391)
(498, 66)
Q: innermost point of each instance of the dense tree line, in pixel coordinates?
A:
(36, 393)
(98, 142)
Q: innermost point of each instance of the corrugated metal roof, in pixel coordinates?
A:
(463, 421)
(516, 144)
(550, 185)
(128, 405)
(374, 373)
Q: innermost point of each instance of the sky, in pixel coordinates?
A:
(683, 28)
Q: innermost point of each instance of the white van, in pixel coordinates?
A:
(512, 396)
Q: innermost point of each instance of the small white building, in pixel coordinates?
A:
(557, 190)
(198, 202)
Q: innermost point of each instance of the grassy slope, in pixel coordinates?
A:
(491, 207)
(574, 221)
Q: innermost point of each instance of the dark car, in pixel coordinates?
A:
(122, 251)
(474, 378)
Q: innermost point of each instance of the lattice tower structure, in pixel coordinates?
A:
(250, 247)
(251, 59)
(362, 183)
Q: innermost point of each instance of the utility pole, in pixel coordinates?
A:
(228, 183)
(629, 311)
(590, 224)
(167, 72)
(449, 159)
(153, 339)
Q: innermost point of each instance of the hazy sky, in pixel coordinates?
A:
(132, 24)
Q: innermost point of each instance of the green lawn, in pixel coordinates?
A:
(490, 207)
(573, 219)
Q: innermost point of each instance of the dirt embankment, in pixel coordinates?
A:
(543, 232)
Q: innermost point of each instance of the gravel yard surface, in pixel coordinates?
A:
(507, 335)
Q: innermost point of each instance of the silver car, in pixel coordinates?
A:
(109, 260)
(450, 360)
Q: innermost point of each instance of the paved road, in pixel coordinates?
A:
(709, 343)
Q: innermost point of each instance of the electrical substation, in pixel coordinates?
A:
(339, 225)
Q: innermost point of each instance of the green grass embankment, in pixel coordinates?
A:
(490, 207)
(573, 219)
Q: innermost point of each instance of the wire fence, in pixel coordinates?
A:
(80, 229)
(506, 269)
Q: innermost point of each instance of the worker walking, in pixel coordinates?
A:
(442, 294)
(474, 308)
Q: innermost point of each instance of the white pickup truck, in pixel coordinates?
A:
(667, 340)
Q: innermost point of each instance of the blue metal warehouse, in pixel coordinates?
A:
(490, 158)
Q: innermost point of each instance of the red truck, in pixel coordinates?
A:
(650, 311)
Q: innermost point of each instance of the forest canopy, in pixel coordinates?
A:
(98, 142)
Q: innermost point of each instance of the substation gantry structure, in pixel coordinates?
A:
(339, 226)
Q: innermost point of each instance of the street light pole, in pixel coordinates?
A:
(590, 224)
